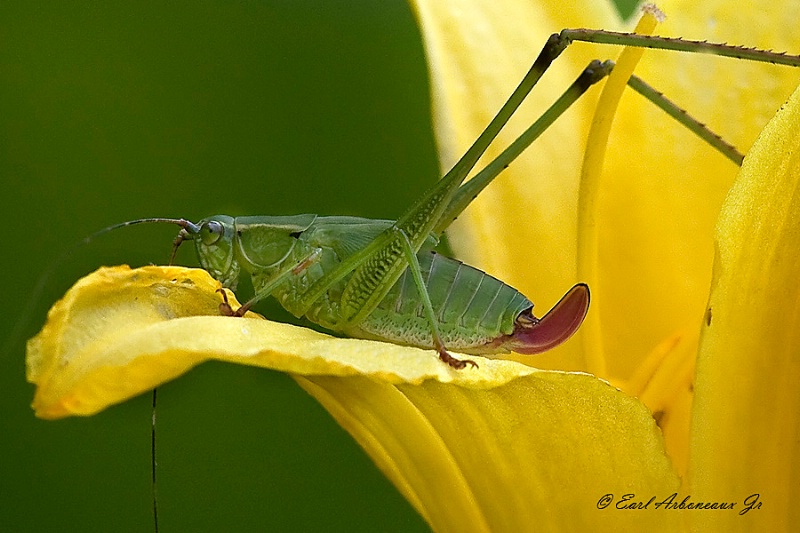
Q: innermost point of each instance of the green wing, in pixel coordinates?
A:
(348, 235)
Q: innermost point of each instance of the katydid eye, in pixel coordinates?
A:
(210, 232)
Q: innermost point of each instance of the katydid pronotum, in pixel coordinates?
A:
(380, 279)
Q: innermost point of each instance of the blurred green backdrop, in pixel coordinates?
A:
(112, 112)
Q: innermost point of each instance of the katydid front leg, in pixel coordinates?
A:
(265, 291)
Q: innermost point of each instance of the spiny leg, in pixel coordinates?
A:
(692, 124)
(558, 42)
(677, 44)
(438, 198)
(591, 75)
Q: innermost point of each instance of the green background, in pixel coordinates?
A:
(111, 112)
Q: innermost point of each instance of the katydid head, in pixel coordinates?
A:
(214, 241)
(226, 245)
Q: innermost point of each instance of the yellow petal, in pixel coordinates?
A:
(746, 419)
(664, 382)
(498, 448)
(662, 187)
(538, 453)
(522, 228)
(119, 332)
(76, 361)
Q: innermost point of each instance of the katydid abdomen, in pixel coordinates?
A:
(473, 309)
(290, 258)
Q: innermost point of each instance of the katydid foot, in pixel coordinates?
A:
(225, 308)
(458, 364)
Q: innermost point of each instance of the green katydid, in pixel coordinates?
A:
(380, 279)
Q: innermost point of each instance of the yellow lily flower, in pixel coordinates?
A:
(508, 446)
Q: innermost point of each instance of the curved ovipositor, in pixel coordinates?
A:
(535, 335)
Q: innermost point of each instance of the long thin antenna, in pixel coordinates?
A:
(33, 298)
